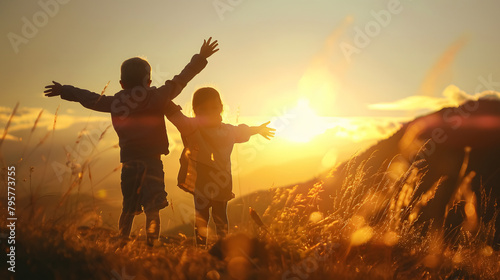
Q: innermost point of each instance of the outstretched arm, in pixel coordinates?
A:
(263, 130)
(53, 90)
(173, 87)
(87, 98)
(243, 132)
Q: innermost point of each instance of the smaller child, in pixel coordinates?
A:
(137, 114)
(205, 168)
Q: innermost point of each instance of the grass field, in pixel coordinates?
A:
(369, 232)
(362, 238)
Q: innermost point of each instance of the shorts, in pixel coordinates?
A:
(143, 186)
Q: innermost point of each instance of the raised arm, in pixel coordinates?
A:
(173, 88)
(88, 99)
(184, 124)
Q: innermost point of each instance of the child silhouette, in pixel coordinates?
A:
(137, 114)
(205, 162)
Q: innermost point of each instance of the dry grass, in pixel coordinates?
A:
(370, 232)
(373, 232)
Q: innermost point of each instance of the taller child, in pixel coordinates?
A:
(137, 114)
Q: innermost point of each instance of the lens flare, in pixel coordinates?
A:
(304, 123)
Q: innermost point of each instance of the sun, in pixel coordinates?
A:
(303, 124)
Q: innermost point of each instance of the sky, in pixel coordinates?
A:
(332, 76)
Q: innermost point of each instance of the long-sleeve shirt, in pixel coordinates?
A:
(206, 159)
(138, 114)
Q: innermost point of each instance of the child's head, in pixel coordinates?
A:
(207, 104)
(135, 71)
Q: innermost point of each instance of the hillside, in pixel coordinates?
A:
(420, 204)
(452, 146)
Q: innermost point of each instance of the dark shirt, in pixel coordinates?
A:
(206, 159)
(138, 114)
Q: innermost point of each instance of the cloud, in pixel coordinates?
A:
(452, 96)
(26, 117)
(488, 95)
(359, 129)
(411, 103)
(11, 137)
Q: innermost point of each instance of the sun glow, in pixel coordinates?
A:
(303, 124)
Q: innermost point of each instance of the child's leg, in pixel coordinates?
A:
(125, 223)
(152, 226)
(152, 192)
(152, 196)
(130, 181)
(219, 213)
(202, 207)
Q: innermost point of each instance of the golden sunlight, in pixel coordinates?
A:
(304, 124)
(317, 87)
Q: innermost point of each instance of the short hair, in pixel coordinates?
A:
(135, 71)
(204, 94)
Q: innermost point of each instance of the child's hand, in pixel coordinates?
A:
(53, 90)
(208, 48)
(266, 132)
